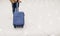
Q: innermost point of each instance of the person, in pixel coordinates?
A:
(14, 2)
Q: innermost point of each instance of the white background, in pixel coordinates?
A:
(42, 18)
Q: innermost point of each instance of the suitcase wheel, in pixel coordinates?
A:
(14, 26)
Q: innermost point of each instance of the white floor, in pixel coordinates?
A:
(42, 18)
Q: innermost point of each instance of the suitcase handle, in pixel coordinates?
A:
(17, 9)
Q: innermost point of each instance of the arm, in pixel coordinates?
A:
(12, 1)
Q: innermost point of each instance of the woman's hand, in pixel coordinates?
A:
(19, 1)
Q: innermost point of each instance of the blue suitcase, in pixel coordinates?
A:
(18, 18)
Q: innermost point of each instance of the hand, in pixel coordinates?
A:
(19, 1)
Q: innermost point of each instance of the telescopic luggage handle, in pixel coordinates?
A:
(16, 9)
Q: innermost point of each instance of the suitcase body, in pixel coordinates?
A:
(18, 19)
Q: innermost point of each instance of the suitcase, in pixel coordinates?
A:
(18, 18)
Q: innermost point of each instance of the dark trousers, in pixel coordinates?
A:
(14, 6)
